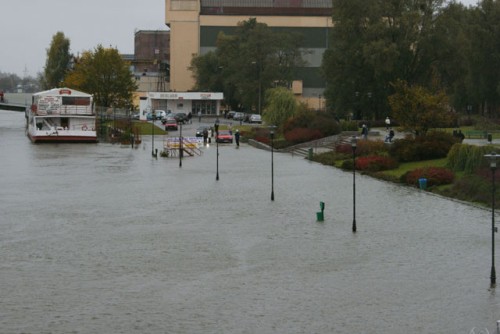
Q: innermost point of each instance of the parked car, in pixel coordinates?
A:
(199, 131)
(169, 117)
(230, 114)
(224, 136)
(160, 114)
(239, 116)
(135, 116)
(170, 124)
(255, 118)
(181, 117)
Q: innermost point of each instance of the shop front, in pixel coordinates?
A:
(196, 103)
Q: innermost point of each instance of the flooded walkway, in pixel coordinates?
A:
(99, 238)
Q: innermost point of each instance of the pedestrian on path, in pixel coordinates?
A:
(237, 138)
(389, 136)
(364, 131)
(387, 123)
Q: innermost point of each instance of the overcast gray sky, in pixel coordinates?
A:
(27, 27)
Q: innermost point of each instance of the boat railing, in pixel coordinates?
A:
(66, 110)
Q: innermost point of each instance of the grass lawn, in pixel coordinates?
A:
(408, 166)
(145, 128)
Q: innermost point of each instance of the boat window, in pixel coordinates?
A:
(75, 101)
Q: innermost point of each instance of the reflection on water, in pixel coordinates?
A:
(102, 238)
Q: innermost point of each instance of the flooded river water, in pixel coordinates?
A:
(102, 238)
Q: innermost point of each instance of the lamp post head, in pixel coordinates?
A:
(354, 142)
(493, 159)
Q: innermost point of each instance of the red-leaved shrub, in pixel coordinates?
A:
(435, 176)
(375, 163)
(301, 135)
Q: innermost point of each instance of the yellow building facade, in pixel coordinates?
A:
(195, 24)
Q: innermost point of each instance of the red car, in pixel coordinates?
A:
(224, 136)
(170, 124)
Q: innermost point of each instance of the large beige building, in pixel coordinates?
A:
(195, 24)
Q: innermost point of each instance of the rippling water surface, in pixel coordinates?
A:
(101, 238)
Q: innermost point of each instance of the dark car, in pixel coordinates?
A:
(199, 131)
(239, 116)
(181, 117)
(230, 114)
(224, 136)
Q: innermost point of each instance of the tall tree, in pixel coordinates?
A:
(104, 74)
(57, 63)
(483, 84)
(248, 62)
(281, 106)
(417, 109)
(373, 43)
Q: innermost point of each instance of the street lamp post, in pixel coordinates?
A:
(354, 141)
(259, 105)
(153, 134)
(493, 165)
(180, 145)
(216, 126)
(272, 164)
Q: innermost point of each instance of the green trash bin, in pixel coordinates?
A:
(319, 216)
(310, 153)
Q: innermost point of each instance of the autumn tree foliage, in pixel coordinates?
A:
(104, 74)
(417, 109)
(57, 62)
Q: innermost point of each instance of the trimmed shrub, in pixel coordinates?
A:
(472, 188)
(301, 135)
(434, 145)
(364, 147)
(326, 158)
(375, 163)
(467, 158)
(435, 176)
(306, 126)
(349, 126)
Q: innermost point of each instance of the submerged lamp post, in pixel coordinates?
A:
(180, 145)
(216, 127)
(271, 134)
(354, 141)
(153, 115)
(493, 165)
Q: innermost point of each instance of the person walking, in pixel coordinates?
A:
(205, 136)
(364, 131)
(389, 136)
(387, 123)
(237, 138)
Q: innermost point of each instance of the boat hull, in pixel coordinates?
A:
(62, 139)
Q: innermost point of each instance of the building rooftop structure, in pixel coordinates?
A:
(267, 7)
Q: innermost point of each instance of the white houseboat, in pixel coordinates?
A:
(61, 115)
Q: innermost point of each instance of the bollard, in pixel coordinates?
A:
(320, 215)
